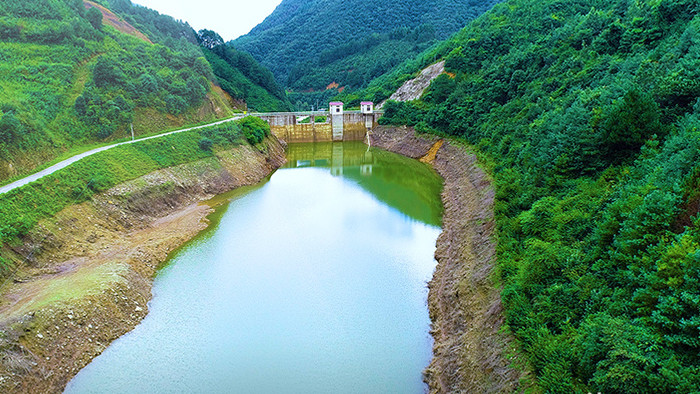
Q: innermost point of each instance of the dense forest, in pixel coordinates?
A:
(241, 76)
(588, 114)
(71, 77)
(318, 48)
(236, 72)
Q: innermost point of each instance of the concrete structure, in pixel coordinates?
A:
(367, 107)
(320, 126)
(335, 157)
(336, 108)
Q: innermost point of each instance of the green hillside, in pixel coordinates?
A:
(241, 76)
(589, 114)
(322, 44)
(236, 72)
(71, 77)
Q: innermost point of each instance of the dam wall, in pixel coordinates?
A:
(321, 126)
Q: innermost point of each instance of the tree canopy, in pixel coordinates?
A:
(588, 112)
(324, 45)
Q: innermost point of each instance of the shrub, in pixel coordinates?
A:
(205, 144)
(254, 129)
(94, 16)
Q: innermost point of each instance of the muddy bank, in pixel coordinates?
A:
(90, 274)
(469, 353)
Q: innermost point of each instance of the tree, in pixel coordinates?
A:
(148, 83)
(80, 106)
(10, 127)
(94, 16)
(209, 39)
(107, 73)
(632, 121)
(205, 144)
(254, 129)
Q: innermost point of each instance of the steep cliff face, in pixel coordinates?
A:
(91, 280)
(470, 353)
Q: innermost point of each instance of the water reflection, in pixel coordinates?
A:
(306, 284)
(402, 183)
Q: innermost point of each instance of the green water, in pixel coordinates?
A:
(311, 282)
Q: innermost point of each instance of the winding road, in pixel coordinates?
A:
(67, 162)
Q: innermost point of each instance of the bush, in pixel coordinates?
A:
(94, 16)
(254, 129)
(10, 127)
(205, 144)
(107, 73)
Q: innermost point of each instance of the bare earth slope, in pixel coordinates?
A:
(469, 353)
(413, 89)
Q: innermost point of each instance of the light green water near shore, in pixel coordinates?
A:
(311, 282)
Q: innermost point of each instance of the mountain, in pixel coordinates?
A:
(236, 72)
(75, 73)
(588, 114)
(323, 45)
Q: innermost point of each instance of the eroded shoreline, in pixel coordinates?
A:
(91, 280)
(102, 255)
(470, 351)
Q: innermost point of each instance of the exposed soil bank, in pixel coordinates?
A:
(90, 281)
(470, 355)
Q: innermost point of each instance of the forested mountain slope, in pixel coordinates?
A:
(236, 72)
(589, 114)
(320, 44)
(71, 76)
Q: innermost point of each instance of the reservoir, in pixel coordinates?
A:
(314, 281)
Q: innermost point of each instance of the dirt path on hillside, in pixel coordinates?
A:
(470, 355)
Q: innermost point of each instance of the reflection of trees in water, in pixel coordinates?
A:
(402, 183)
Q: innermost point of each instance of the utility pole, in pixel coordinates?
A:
(132, 131)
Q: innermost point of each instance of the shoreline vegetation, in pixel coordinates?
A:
(67, 155)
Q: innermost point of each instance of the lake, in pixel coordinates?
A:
(314, 281)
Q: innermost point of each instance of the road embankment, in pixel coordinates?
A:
(92, 265)
(470, 352)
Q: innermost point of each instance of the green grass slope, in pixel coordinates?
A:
(22, 208)
(71, 77)
(589, 114)
(236, 72)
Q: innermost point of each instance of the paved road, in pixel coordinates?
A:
(67, 162)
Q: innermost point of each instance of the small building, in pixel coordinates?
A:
(336, 108)
(367, 107)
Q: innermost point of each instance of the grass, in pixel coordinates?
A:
(85, 148)
(75, 285)
(22, 208)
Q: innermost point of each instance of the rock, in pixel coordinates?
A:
(414, 88)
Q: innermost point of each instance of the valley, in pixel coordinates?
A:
(564, 135)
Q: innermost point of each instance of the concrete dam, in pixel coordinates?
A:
(323, 126)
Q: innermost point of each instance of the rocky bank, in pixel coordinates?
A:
(91, 267)
(470, 353)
